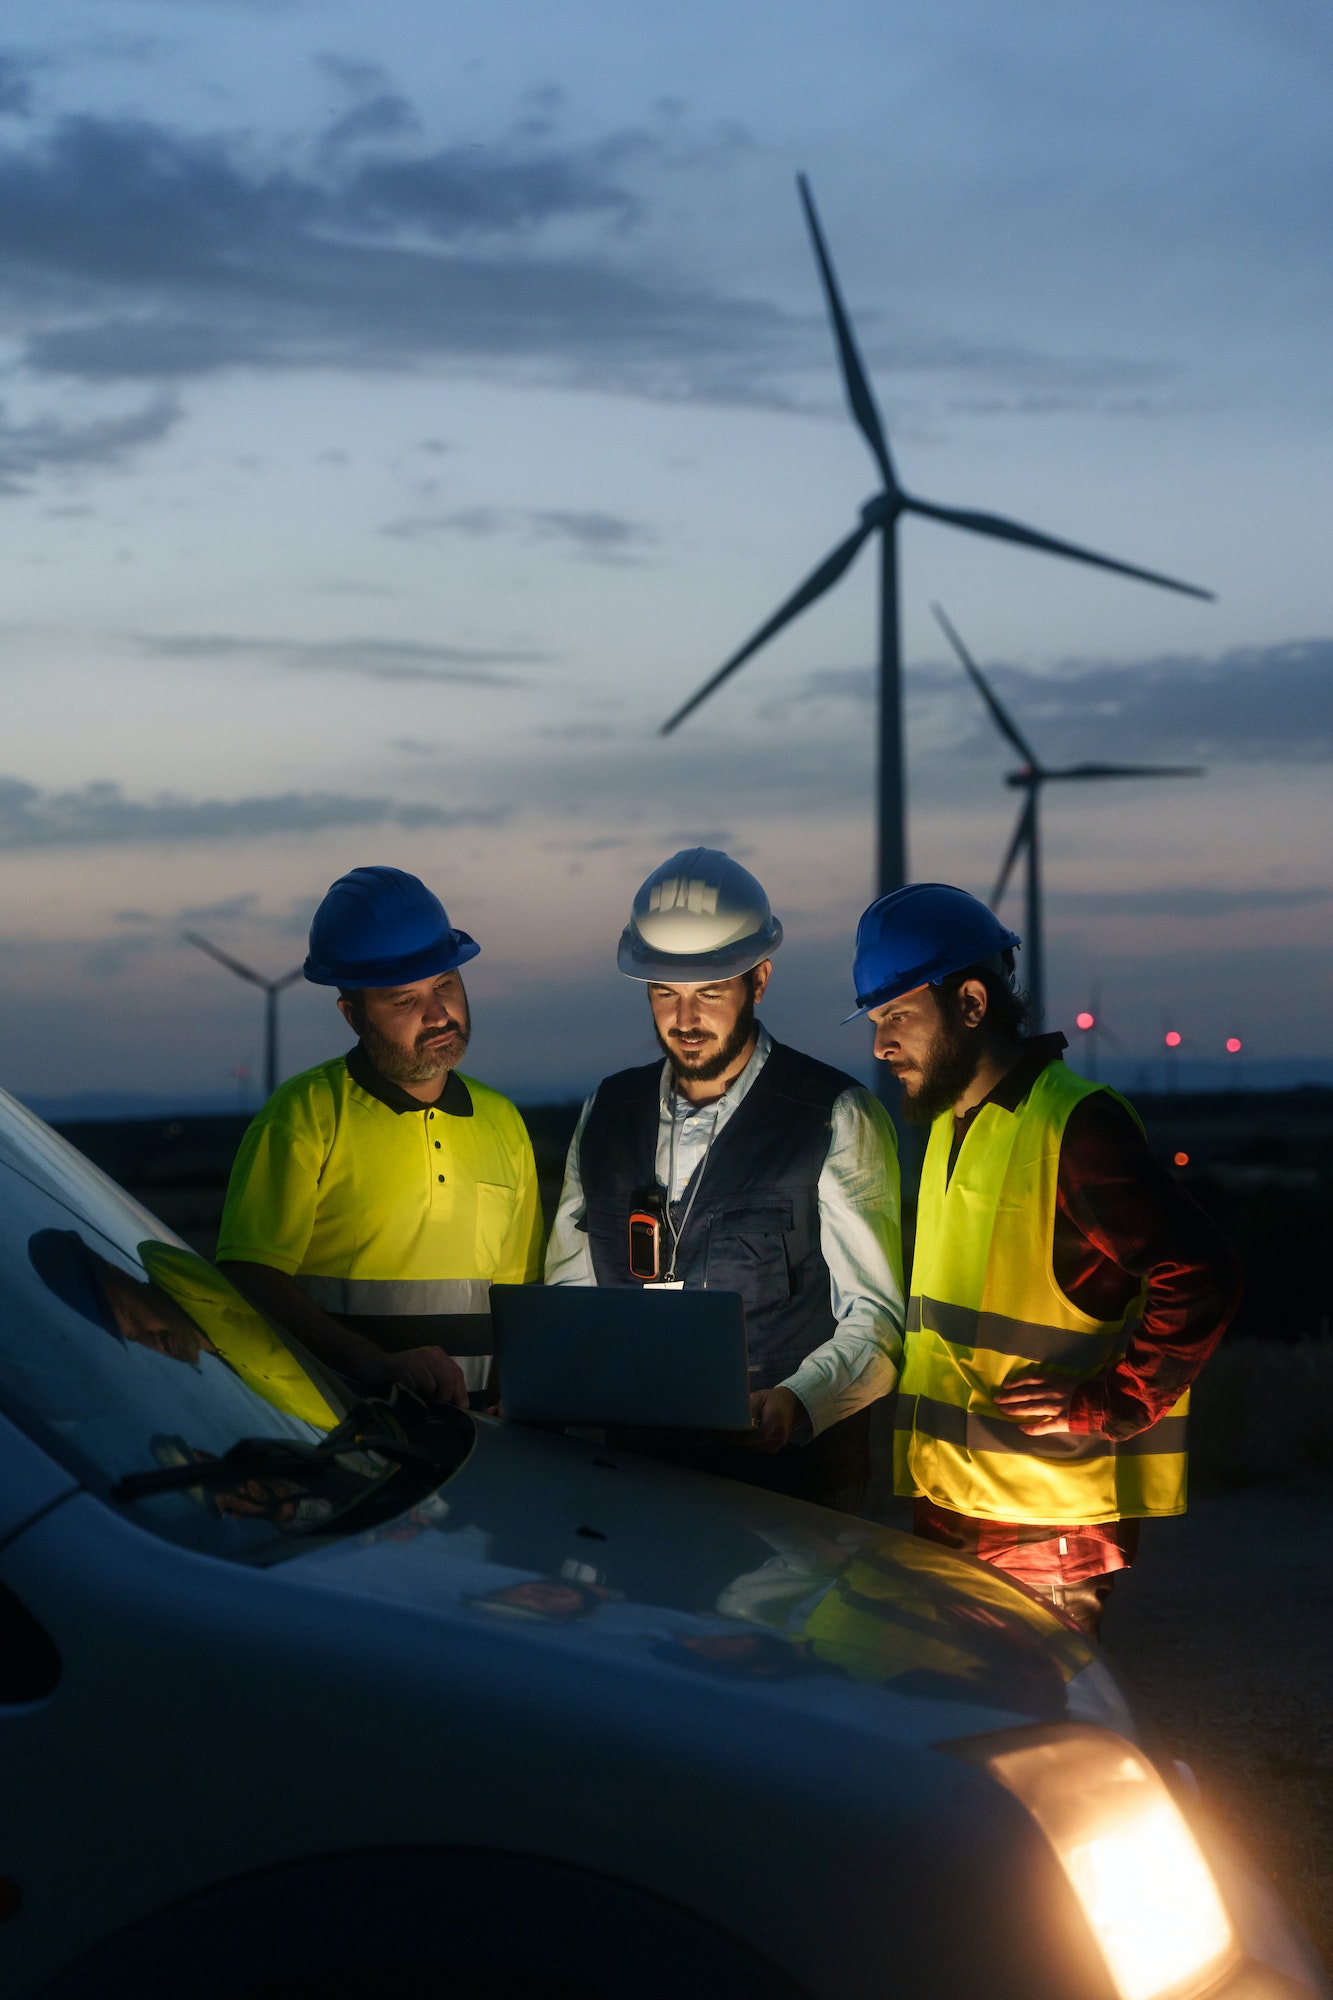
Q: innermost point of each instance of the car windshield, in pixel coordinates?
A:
(125, 1353)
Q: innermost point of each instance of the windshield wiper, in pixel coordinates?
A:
(363, 1429)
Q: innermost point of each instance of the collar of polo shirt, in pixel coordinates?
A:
(454, 1100)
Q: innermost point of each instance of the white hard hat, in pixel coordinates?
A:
(698, 917)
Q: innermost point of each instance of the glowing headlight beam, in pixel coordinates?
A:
(1144, 1886)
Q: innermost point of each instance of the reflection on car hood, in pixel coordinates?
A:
(608, 1552)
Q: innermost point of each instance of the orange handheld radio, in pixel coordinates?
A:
(645, 1246)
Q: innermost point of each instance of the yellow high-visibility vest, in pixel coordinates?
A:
(985, 1306)
(888, 1615)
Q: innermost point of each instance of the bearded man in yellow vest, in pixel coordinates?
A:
(376, 1197)
(1065, 1289)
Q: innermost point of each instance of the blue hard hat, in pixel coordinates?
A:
(382, 927)
(917, 936)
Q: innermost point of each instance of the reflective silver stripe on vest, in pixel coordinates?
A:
(394, 1297)
(971, 1430)
(966, 1326)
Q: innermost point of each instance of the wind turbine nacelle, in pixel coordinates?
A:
(882, 511)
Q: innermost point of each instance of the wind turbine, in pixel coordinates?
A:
(1089, 1022)
(1031, 775)
(880, 515)
(271, 990)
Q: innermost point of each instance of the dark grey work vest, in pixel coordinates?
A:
(754, 1228)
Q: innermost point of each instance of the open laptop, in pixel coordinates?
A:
(669, 1360)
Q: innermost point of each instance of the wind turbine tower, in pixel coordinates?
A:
(880, 516)
(1090, 1024)
(271, 989)
(1031, 775)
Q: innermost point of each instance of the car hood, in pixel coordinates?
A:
(607, 1552)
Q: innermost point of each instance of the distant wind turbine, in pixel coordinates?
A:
(1029, 778)
(1089, 1022)
(881, 515)
(271, 989)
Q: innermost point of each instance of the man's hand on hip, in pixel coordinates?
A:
(1036, 1402)
(774, 1412)
(429, 1373)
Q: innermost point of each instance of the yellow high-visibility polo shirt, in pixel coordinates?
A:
(393, 1215)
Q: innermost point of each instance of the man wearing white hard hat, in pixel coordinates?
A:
(740, 1164)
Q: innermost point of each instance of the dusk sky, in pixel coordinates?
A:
(405, 407)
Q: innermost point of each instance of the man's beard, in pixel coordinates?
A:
(951, 1063)
(421, 1064)
(708, 1067)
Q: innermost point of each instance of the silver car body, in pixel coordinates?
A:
(572, 1720)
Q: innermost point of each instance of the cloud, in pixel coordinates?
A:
(597, 536)
(130, 251)
(578, 732)
(15, 88)
(229, 910)
(1187, 901)
(604, 537)
(674, 791)
(446, 195)
(101, 815)
(245, 909)
(376, 111)
(379, 659)
(1255, 704)
(108, 958)
(47, 442)
(135, 252)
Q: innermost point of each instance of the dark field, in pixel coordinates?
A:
(1261, 1163)
(1224, 1630)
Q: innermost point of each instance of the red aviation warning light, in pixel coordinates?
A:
(1085, 1020)
(1233, 1045)
(1172, 1039)
(1180, 1159)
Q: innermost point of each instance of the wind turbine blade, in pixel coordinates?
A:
(815, 585)
(1128, 771)
(232, 964)
(287, 978)
(1004, 722)
(1014, 531)
(853, 368)
(1108, 1034)
(1022, 835)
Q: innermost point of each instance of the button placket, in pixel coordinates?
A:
(438, 1147)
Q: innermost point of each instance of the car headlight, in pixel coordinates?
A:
(1144, 1886)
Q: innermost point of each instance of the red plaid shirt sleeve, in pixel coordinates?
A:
(1122, 1218)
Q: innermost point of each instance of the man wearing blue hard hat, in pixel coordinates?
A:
(741, 1164)
(376, 1197)
(1065, 1290)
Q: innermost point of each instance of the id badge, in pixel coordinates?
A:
(665, 1285)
